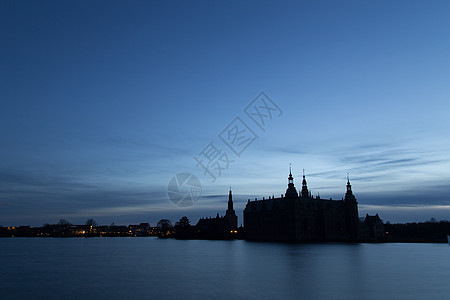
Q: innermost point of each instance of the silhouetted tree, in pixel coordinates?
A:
(164, 225)
(64, 222)
(184, 221)
(183, 228)
(91, 222)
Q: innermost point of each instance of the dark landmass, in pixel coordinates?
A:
(425, 232)
(69, 230)
(369, 229)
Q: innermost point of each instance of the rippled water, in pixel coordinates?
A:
(167, 269)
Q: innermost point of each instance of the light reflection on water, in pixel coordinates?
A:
(153, 268)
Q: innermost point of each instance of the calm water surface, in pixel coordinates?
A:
(145, 268)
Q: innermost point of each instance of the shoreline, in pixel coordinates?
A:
(392, 241)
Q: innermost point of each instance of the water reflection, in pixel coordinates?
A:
(189, 269)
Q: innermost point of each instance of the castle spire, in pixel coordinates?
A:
(291, 190)
(290, 178)
(230, 210)
(349, 186)
(304, 193)
(349, 194)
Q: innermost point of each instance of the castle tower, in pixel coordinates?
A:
(304, 193)
(352, 212)
(291, 190)
(349, 197)
(230, 215)
(230, 210)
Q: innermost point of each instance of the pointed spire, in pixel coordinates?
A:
(290, 178)
(304, 192)
(349, 186)
(230, 210)
(349, 194)
(291, 191)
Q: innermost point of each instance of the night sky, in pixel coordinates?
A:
(104, 102)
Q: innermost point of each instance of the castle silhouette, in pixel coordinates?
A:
(219, 227)
(294, 217)
(299, 217)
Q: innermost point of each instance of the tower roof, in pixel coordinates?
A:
(291, 190)
(349, 194)
(304, 192)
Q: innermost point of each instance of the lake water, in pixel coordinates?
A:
(149, 268)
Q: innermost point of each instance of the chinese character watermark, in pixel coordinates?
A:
(238, 136)
(262, 109)
(185, 189)
(212, 161)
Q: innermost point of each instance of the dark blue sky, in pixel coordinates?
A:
(103, 102)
